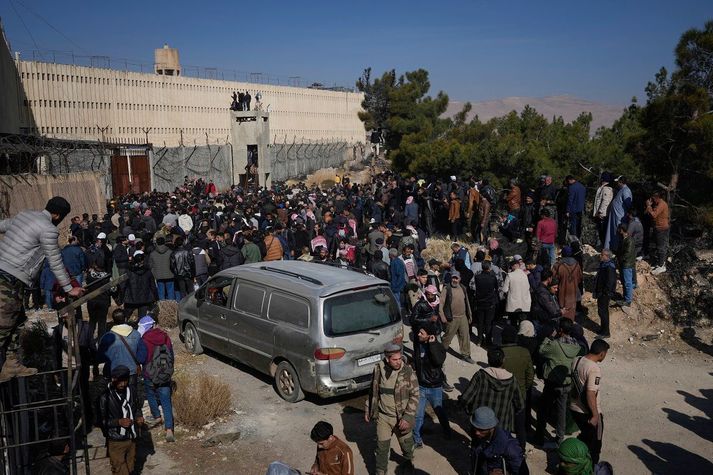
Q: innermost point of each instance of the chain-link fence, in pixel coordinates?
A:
(91, 160)
(211, 162)
(293, 160)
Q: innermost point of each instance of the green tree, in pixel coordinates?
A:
(676, 145)
(404, 111)
(376, 98)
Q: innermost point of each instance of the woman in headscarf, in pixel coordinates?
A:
(411, 210)
(526, 337)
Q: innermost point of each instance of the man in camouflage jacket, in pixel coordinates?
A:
(392, 403)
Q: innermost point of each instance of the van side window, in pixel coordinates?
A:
(249, 299)
(289, 310)
(217, 290)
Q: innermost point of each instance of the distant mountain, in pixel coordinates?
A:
(569, 107)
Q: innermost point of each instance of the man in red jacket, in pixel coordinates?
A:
(157, 392)
(545, 232)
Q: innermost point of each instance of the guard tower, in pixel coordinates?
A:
(166, 61)
(251, 136)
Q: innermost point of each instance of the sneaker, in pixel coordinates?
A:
(659, 270)
(418, 445)
(469, 360)
(169, 436)
(152, 421)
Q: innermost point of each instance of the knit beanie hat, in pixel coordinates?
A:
(58, 205)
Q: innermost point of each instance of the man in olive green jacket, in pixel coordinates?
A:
(392, 402)
(519, 362)
(626, 255)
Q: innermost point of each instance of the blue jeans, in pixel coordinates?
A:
(166, 290)
(49, 299)
(575, 224)
(550, 249)
(434, 396)
(164, 399)
(627, 282)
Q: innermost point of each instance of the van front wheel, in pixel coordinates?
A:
(191, 339)
(287, 383)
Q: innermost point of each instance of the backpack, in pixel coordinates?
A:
(408, 239)
(579, 391)
(489, 193)
(160, 369)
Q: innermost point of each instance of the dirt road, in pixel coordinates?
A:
(657, 403)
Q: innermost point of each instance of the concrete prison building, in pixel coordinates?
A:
(68, 101)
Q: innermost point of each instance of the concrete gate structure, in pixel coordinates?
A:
(250, 131)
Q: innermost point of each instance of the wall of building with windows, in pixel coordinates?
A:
(77, 102)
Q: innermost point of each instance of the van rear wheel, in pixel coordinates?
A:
(287, 382)
(192, 340)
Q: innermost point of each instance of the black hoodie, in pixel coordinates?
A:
(231, 256)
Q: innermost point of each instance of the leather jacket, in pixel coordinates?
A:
(110, 412)
(182, 263)
(428, 363)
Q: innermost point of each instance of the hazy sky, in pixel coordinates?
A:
(604, 50)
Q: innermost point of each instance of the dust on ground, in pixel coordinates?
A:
(657, 398)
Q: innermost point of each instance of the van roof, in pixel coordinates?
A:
(304, 278)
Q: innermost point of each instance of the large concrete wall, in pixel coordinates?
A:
(11, 94)
(83, 190)
(77, 102)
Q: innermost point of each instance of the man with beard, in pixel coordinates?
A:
(30, 238)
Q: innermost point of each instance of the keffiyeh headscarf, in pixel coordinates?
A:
(575, 455)
(526, 329)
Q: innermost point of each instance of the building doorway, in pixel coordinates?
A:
(130, 172)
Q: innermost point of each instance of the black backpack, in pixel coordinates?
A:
(160, 368)
(489, 193)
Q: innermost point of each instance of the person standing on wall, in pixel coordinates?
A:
(30, 238)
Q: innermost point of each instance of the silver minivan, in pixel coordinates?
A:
(312, 327)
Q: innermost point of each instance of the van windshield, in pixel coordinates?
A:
(359, 312)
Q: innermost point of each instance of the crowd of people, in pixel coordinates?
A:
(513, 284)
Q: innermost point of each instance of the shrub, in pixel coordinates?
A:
(167, 314)
(37, 347)
(199, 399)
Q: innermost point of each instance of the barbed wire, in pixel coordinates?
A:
(142, 66)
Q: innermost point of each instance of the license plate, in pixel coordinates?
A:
(368, 359)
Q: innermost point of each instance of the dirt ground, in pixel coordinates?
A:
(657, 402)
